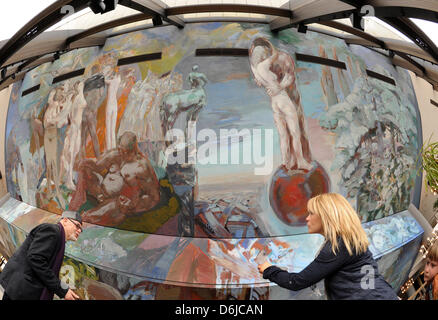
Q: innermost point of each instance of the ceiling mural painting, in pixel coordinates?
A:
(201, 162)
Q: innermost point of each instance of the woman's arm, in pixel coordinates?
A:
(325, 263)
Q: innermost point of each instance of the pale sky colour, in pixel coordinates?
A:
(16, 13)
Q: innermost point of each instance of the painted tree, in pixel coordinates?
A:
(376, 147)
(327, 83)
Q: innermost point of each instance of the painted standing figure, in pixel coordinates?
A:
(94, 94)
(275, 71)
(58, 106)
(112, 80)
(72, 144)
(299, 177)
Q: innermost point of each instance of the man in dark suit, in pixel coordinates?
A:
(32, 273)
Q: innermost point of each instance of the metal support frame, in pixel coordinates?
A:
(397, 16)
(291, 14)
(48, 17)
(312, 12)
(107, 25)
(420, 9)
(281, 12)
(36, 61)
(414, 33)
(411, 61)
(152, 8)
(354, 31)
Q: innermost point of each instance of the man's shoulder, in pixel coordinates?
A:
(48, 228)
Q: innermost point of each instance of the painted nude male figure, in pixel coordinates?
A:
(58, 106)
(122, 180)
(72, 142)
(112, 80)
(274, 70)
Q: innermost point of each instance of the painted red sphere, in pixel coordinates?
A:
(291, 189)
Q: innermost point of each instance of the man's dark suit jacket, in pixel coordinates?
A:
(28, 271)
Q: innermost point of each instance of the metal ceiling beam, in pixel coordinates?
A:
(45, 19)
(421, 9)
(394, 45)
(108, 25)
(411, 61)
(402, 59)
(410, 29)
(356, 32)
(320, 11)
(8, 81)
(403, 63)
(45, 47)
(312, 12)
(29, 64)
(45, 51)
(281, 12)
(396, 13)
(40, 61)
(315, 11)
(154, 8)
(17, 68)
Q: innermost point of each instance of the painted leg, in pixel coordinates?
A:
(287, 159)
(91, 118)
(295, 136)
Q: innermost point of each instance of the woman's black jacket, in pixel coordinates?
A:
(354, 277)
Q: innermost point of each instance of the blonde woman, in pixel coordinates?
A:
(344, 261)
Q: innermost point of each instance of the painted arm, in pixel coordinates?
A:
(256, 76)
(149, 188)
(38, 126)
(106, 159)
(281, 64)
(63, 116)
(51, 96)
(325, 264)
(287, 63)
(103, 162)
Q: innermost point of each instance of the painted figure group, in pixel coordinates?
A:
(119, 177)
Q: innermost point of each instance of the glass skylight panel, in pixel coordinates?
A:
(429, 28)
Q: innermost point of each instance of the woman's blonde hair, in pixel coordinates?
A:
(339, 219)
